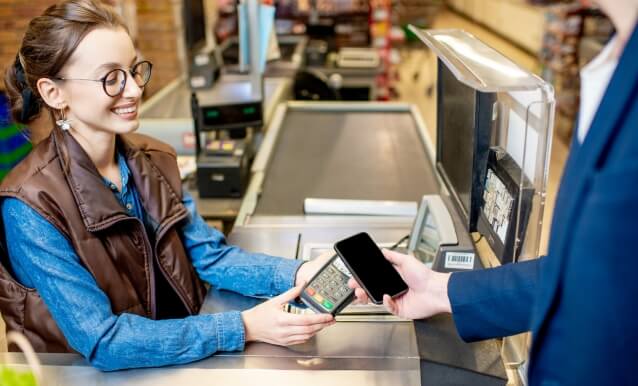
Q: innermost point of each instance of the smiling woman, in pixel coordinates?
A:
(105, 255)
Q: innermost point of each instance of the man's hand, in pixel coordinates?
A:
(427, 290)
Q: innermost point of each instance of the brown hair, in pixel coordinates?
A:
(48, 43)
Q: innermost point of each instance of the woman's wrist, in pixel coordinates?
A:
(300, 274)
(248, 332)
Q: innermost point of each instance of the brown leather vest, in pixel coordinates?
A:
(142, 270)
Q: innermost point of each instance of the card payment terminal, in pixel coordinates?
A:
(328, 291)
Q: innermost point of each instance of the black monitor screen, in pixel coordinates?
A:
(194, 24)
(464, 126)
(456, 142)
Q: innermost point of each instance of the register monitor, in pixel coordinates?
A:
(435, 242)
(464, 123)
(504, 185)
(433, 227)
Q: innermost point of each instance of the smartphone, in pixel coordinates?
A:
(370, 268)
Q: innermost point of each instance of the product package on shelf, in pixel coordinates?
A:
(573, 36)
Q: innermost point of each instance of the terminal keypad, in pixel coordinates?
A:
(330, 287)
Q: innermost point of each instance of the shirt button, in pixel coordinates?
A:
(129, 206)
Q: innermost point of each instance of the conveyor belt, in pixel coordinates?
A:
(345, 154)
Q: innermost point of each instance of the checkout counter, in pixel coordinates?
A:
(349, 150)
(387, 147)
(354, 83)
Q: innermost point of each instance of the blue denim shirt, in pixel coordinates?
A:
(44, 259)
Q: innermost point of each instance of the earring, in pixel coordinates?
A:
(63, 123)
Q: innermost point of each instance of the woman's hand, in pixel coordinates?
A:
(427, 289)
(268, 322)
(308, 269)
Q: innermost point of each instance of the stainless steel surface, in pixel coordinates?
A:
(225, 209)
(172, 101)
(167, 115)
(353, 155)
(239, 372)
(265, 152)
(384, 222)
(276, 242)
(353, 77)
(230, 90)
(323, 146)
(287, 235)
(362, 73)
(304, 237)
(273, 133)
(442, 353)
(348, 353)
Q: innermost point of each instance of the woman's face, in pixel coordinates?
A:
(89, 107)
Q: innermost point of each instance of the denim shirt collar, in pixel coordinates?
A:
(125, 173)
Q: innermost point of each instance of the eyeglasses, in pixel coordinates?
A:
(114, 81)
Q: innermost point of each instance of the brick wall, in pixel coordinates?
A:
(159, 26)
(158, 30)
(14, 18)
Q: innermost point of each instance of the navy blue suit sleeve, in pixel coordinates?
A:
(494, 302)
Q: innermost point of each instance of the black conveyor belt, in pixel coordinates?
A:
(348, 155)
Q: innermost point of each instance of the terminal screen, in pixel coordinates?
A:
(429, 240)
(498, 204)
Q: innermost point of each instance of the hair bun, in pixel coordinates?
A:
(47, 45)
(30, 107)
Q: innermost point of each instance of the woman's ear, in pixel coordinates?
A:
(51, 93)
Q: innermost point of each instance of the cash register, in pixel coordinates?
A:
(225, 116)
(226, 113)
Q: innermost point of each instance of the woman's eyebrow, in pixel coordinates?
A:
(113, 65)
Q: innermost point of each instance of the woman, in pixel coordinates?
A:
(106, 255)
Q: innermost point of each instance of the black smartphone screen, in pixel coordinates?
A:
(367, 263)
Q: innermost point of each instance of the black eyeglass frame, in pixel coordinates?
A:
(123, 84)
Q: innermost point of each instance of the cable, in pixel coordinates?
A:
(404, 238)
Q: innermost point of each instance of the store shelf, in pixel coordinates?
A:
(517, 21)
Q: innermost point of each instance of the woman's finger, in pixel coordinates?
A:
(295, 342)
(305, 330)
(305, 319)
(289, 295)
